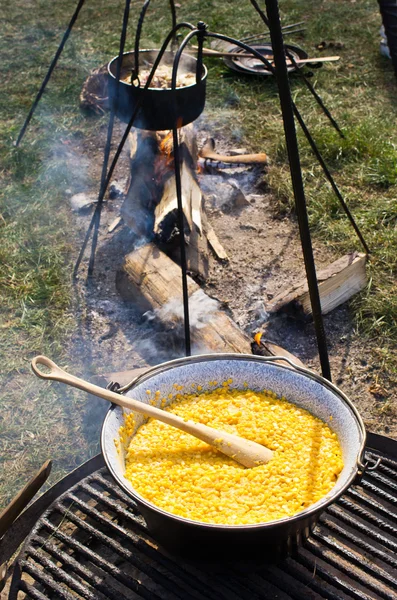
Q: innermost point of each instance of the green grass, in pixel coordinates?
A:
(38, 421)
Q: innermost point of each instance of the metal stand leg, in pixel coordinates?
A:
(296, 176)
(177, 168)
(50, 70)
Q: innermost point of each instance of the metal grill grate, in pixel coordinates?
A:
(93, 544)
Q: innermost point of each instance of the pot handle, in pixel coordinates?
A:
(364, 465)
(135, 72)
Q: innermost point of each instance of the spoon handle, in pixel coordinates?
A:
(245, 452)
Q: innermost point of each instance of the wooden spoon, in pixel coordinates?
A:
(299, 61)
(245, 452)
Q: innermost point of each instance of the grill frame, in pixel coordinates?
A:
(333, 563)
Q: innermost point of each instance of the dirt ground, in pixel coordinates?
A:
(265, 258)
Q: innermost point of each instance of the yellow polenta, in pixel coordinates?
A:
(189, 478)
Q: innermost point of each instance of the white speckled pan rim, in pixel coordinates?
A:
(317, 507)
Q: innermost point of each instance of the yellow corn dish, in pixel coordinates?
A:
(184, 476)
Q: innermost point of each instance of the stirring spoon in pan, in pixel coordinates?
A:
(245, 452)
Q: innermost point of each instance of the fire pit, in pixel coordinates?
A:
(91, 542)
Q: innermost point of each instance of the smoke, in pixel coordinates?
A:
(201, 310)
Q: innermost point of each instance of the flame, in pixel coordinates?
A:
(257, 338)
(166, 144)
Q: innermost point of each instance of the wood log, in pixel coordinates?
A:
(208, 152)
(337, 283)
(152, 280)
(150, 206)
(268, 348)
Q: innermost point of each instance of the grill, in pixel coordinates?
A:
(92, 543)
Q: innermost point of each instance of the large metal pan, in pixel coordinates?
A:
(160, 107)
(299, 386)
(250, 65)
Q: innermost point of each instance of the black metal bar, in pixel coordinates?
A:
(285, 29)
(314, 93)
(308, 575)
(354, 557)
(61, 575)
(113, 109)
(328, 175)
(304, 128)
(360, 542)
(71, 564)
(309, 137)
(30, 592)
(135, 72)
(147, 548)
(50, 70)
(22, 526)
(261, 13)
(351, 520)
(177, 170)
(124, 139)
(95, 558)
(47, 581)
(334, 577)
(132, 557)
(301, 73)
(264, 37)
(346, 567)
(297, 181)
(371, 502)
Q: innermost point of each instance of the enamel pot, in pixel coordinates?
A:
(299, 386)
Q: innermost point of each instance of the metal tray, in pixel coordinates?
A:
(253, 66)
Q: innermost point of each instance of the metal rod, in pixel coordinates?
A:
(200, 32)
(331, 180)
(124, 139)
(113, 108)
(263, 37)
(50, 70)
(285, 29)
(308, 84)
(305, 130)
(315, 94)
(181, 225)
(135, 71)
(296, 176)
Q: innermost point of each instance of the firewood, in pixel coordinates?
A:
(208, 152)
(215, 244)
(153, 281)
(114, 224)
(263, 347)
(338, 282)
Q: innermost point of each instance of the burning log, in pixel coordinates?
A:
(153, 281)
(150, 206)
(263, 347)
